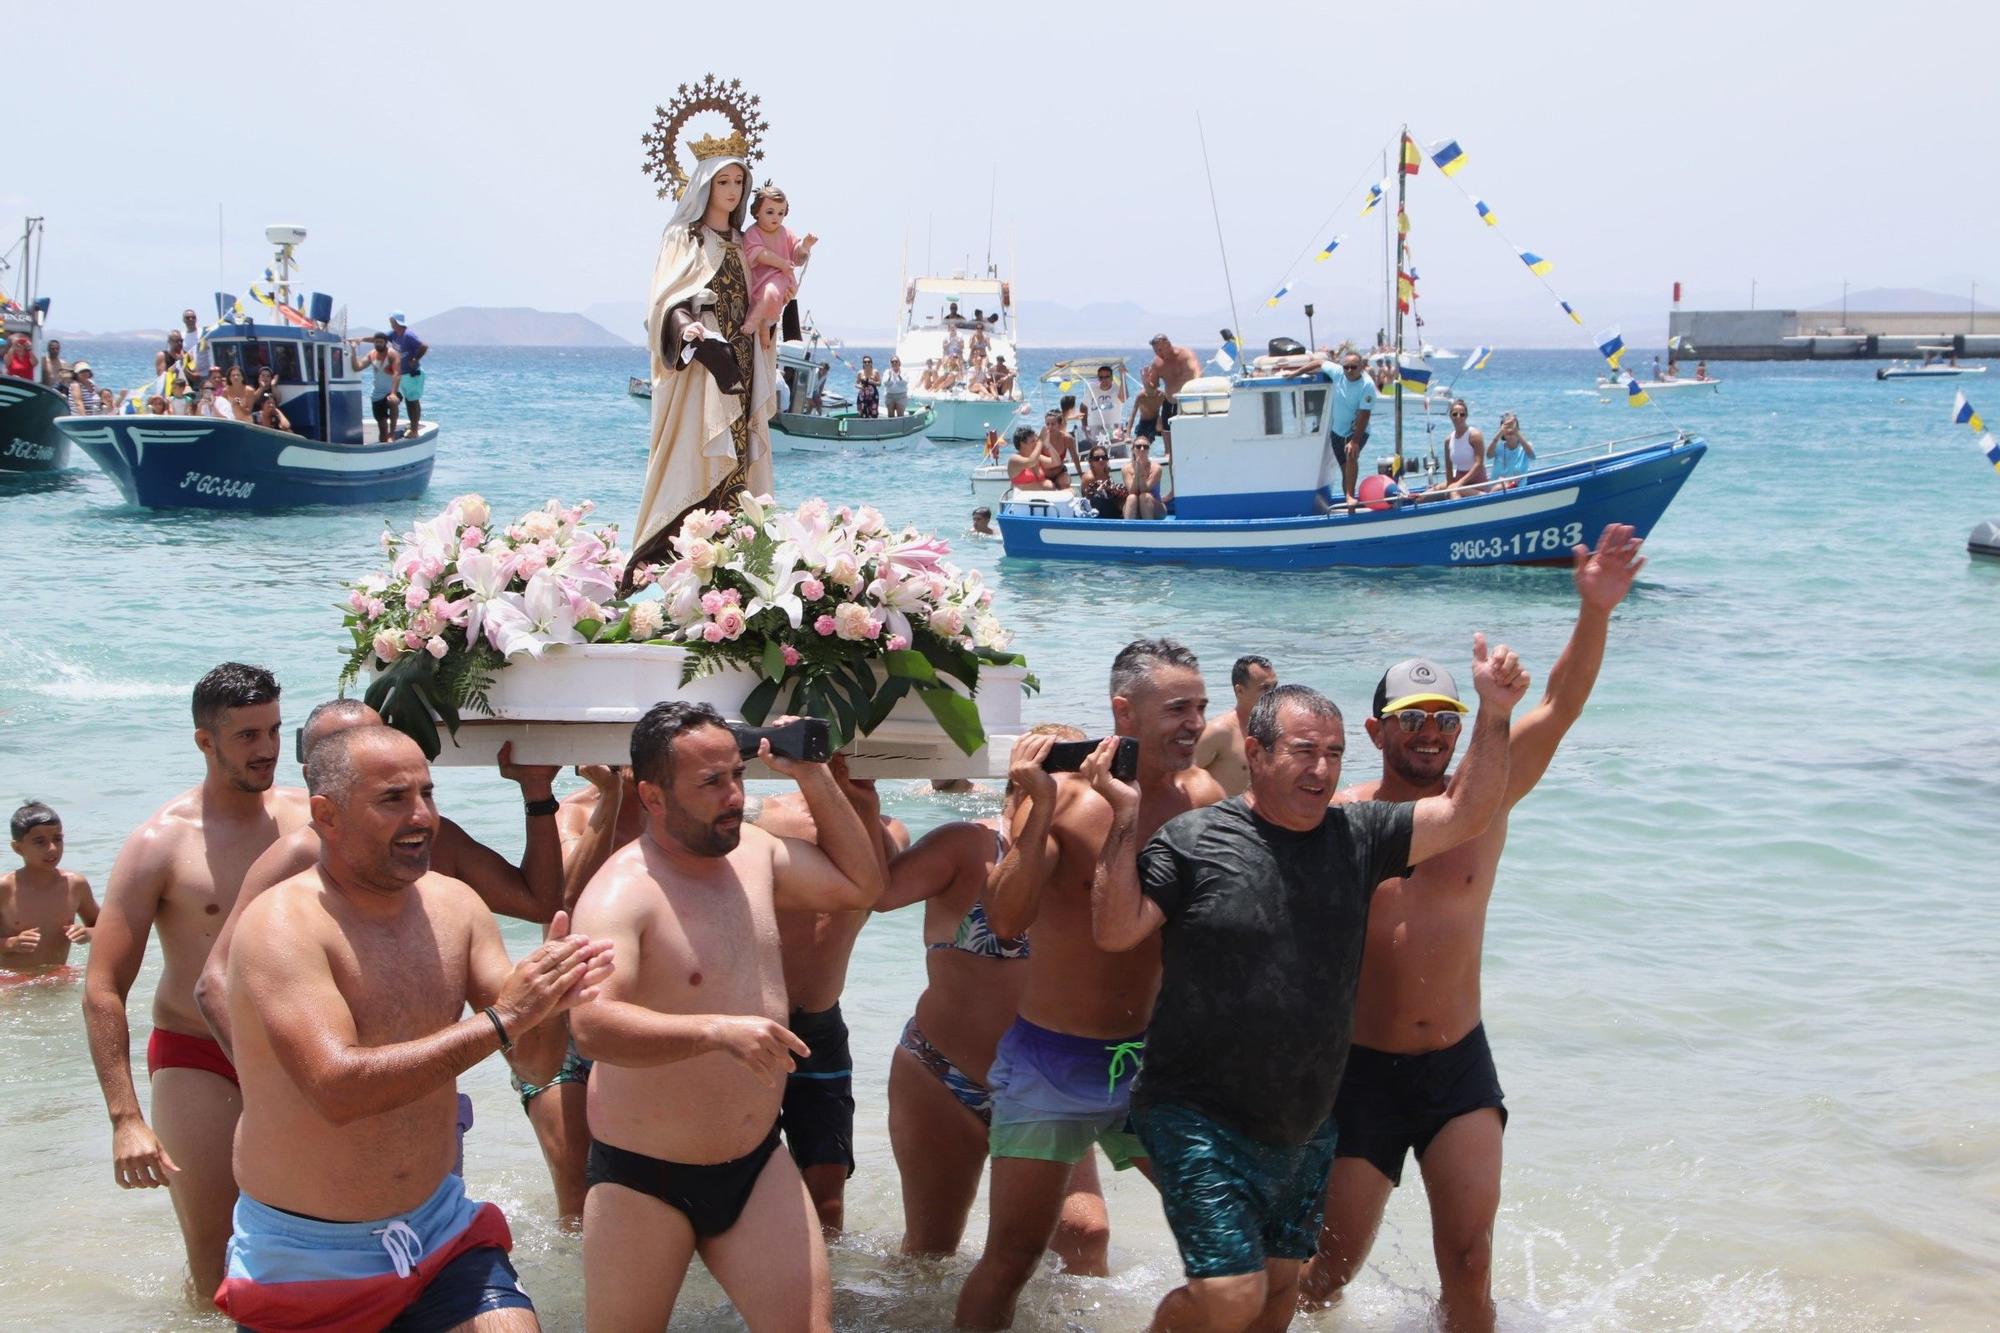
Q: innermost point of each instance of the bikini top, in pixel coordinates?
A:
(976, 937)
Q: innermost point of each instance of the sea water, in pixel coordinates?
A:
(1741, 964)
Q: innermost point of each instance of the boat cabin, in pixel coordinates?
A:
(1254, 448)
(319, 390)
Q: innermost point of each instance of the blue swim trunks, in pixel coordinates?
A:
(1055, 1094)
(1233, 1201)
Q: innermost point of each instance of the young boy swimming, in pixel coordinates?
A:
(41, 904)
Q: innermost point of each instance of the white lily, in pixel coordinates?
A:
(781, 588)
(485, 579)
(531, 621)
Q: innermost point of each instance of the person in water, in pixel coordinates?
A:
(44, 909)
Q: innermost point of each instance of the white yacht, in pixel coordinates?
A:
(945, 321)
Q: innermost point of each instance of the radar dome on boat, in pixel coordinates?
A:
(1286, 347)
(284, 234)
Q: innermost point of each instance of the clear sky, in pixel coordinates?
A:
(447, 154)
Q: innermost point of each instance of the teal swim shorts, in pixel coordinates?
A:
(1232, 1201)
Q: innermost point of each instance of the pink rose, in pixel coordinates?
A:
(824, 625)
(412, 639)
(791, 654)
(712, 632)
(473, 537)
(417, 596)
(730, 622)
(852, 621)
(376, 606)
(712, 602)
(812, 590)
(359, 601)
(388, 645)
(435, 646)
(874, 628)
(529, 561)
(897, 643)
(745, 534)
(731, 597)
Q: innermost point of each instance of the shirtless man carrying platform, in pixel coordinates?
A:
(180, 871)
(1062, 1075)
(818, 1116)
(1421, 1077)
(348, 988)
(1221, 749)
(689, 1036)
(530, 893)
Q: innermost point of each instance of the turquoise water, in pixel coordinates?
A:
(1742, 952)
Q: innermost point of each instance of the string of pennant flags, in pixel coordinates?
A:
(1962, 414)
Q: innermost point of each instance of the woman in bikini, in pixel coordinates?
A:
(939, 1104)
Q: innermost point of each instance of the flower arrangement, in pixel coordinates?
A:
(834, 612)
(462, 596)
(815, 599)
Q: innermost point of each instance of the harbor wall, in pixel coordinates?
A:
(1820, 335)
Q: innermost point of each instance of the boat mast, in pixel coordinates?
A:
(1388, 261)
(1235, 321)
(1396, 370)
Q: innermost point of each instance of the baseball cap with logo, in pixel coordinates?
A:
(1416, 682)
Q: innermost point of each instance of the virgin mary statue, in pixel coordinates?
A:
(714, 390)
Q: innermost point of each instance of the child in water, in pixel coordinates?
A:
(773, 256)
(40, 904)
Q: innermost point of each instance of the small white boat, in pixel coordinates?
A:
(940, 313)
(1985, 539)
(1936, 370)
(1657, 386)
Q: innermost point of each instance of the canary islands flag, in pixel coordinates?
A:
(1485, 213)
(1374, 200)
(1411, 157)
(1331, 246)
(1449, 157)
(1574, 318)
(1611, 346)
(1635, 396)
(1478, 357)
(1278, 295)
(1536, 264)
(1991, 448)
(1963, 415)
(1415, 379)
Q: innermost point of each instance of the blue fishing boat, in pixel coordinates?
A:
(29, 440)
(1256, 485)
(330, 451)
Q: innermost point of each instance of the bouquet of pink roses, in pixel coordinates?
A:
(840, 615)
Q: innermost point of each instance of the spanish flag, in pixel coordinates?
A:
(1634, 395)
(1278, 295)
(1411, 157)
(1485, 213)
(1611, 346)
(1449, 157)
(1406, 291)
(1963, 415)
(1330, 247)
(1991, 448)
(1536, 264)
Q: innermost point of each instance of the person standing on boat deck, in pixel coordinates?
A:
(1144, 418)
(954, 346)
(1421, 1077)
(867, 389)
(1061, 1076)
(180, 872)
(1221, 751)
(689, 1039)
(1259, 906)
(384, 365)
(895, 389)
(20, 363)
(1101, 402)
(347, 995)
(1353, 407)
(52, 372)
(196, 344)
(940, 1106)
(1465, 451)
(952, 319)
(714, 388)
(410, 352)
(85, 398)
(817, 1118)
(1173, 368)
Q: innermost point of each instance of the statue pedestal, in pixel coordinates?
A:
(577, 705)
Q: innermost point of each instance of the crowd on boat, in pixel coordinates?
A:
(1113, 963)
(187, 381)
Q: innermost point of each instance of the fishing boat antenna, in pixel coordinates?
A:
(1402, 192)
(221, 265)
(992, 198)
(1388, 262)
(1235, 322)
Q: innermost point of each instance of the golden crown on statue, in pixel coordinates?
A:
(727, 99)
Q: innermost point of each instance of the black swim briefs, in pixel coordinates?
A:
(818, 1113)
(1391, 1104)
(711, 1196)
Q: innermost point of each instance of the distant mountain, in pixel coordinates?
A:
(627, 319)
(120, 336)
(514, 326)
(1901, 300)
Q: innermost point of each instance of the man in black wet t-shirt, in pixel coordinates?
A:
(1262, 904)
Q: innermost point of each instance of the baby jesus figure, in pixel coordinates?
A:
(774, 257)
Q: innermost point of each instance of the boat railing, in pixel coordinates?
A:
(1543, 460)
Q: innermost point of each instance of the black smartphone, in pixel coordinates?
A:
(805, 738)
(1068, 757)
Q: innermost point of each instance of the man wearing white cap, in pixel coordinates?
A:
(1420, 1076)
(411, 349)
